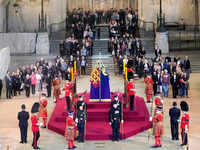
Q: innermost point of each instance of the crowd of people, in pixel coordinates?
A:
(158, 72)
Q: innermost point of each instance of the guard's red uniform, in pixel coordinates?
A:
(35, 129)
(57, 91)
(184, 124)
(68, 88)
(131, 94)
(70, 131)
(130, 87)
(157, 128)
(158, 103)
(43, 111)
(149, 88)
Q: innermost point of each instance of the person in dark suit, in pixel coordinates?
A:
(174, 82)
(155, 82)
(8, 85)
(174, 114)
(23, 117)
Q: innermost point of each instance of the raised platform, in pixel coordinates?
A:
(98, 127)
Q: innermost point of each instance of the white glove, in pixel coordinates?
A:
(41, 124)
(162, 101)
(76, 120)
(150, 119)
(122, 121)
(110, 123)
(186, 129)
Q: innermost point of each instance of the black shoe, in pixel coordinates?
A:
(36, 147)
(183, 144)
(155, 146)
(25, 141)
(159, 145)
(21, 142)
(74, 147)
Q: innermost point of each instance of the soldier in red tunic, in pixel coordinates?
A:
(158, 104)
(131, 93)
(184, 123)
(157, 128)
(43, 109)
(149, 88)
(68, 93)
(56, 91)
(35, 125)
(70, 130)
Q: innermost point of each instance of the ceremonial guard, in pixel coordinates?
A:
(131, 93)
(115, 117)
(81, 119)
(184, 123)
(68, 93)
(149, 88)
(35, 125)
(174, 114)
(81, 102)
(70, 130)
(157, 128)
(158, 104)
(116, 101)
(43, 109)
(56, 86)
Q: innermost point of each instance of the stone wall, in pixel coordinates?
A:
(27, 15)
(2, 17)
(174, 10)
(19, 43)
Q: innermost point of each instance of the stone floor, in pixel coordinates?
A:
(9, 132)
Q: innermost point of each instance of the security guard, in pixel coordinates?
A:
(115, 117)
(81, 119)
(174, 114)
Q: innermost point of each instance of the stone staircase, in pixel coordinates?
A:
(100, 53)
(195, 64)
(147, 38)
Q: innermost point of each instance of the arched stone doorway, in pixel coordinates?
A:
(101, 4)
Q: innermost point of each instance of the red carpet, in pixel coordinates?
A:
(98, 127)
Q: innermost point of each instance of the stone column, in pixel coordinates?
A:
(196, 12)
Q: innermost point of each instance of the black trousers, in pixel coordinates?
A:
(184, 137)
(33, 89)
(155, 89)
(174, 91)
(36, 136)
(8, 92)
(23, 131)
(1, 87)
(174, 130)
(48, 91)
(81, 132)
(132, 102)
(68, 102)
(115, 130)
(27, 91)
(83, 70)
